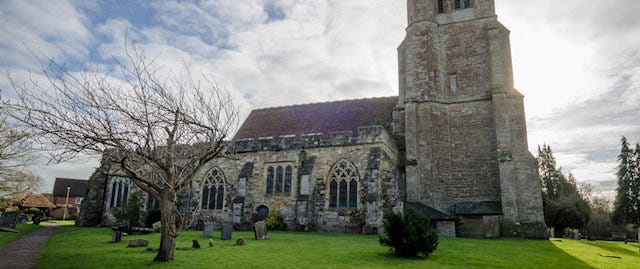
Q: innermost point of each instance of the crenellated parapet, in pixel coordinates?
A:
(365, 135)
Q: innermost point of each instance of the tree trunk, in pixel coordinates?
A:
(168, 231)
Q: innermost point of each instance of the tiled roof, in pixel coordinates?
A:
(77, 187)
(325, 118)
(37, 200)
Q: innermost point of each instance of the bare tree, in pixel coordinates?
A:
(16, 155)
(163, 128)
(15, 185)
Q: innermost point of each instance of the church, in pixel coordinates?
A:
(452, 144)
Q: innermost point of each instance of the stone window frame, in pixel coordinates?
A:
(345, 171)
(213, 178)
(119, 189)
(279, 178)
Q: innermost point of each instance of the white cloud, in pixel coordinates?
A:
(576, 63)
(55, 28)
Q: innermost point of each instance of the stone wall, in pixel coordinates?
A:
(465, 143)
(372, 152)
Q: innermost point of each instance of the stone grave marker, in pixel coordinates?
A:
(9, 219)
(260, 230)
(208, 230)
(226, 232)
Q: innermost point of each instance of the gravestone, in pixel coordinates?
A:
(138, 242)
(260, 230)
(226, 232)
(208, 230)
(9, 219)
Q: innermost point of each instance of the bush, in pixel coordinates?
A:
(275, 222)
(409, 234)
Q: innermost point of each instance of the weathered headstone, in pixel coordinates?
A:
(9, 219)
(260, 230)
(226, 232)
(208, 230)
(138, 242)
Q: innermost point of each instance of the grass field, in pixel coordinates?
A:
(71, 247)
(23, 229)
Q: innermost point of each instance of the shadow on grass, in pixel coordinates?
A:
(503, 253)
(615, 247)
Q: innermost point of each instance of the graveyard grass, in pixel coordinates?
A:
(72, 247)
(23, 229)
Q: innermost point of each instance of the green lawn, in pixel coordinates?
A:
(23, 229)
(72, 247)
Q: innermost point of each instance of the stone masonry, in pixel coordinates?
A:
(453, 144)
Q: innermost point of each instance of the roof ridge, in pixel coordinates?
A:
(326, 102)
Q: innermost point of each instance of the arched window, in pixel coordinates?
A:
(288, 175)
(270, 180)
(343, 185)
(279, 179)
(119, 191)
(213, 190)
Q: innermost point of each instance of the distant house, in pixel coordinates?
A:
(39, 201)
(76, 189)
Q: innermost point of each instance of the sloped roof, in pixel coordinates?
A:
(325, 118)
(77, 187)
(37, 200)
(430, 212)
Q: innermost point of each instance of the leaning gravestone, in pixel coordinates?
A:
(208, 230)
(260, 230)
(226, 232)
(9, 219)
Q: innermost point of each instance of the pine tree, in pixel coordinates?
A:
(549, 174)
(563, 204)
(625, 205)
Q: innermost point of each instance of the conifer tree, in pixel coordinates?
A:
(563, 205)
(626, 204)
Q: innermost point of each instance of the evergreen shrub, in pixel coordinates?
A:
(275, 222)
(409, 234)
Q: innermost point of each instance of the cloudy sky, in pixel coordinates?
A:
(576, 61)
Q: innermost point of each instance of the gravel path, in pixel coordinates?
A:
(24, 252)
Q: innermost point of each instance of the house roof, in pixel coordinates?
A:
(325, 118)
(76, 187)
(37, 200)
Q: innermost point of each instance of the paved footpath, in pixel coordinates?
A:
(24, 252)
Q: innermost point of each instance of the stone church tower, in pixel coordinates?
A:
(461, 122)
